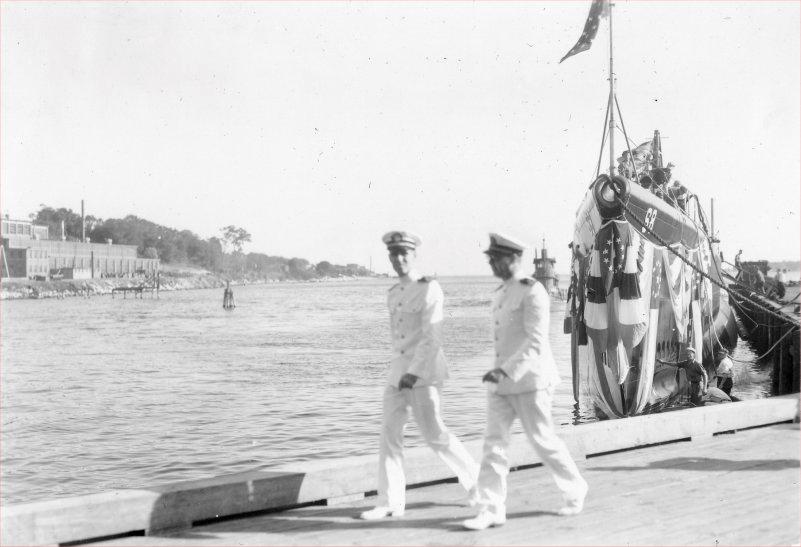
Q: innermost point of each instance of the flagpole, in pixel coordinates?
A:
(611, 99)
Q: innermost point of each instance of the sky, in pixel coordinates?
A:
(318, 126)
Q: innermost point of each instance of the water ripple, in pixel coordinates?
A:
(133, 393)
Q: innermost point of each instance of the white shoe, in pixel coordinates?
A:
(380, 512)
(484, 520)
(574, 506)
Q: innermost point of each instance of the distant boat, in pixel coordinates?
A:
(545, 273)
(637, 294)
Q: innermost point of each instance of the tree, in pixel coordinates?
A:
(52, 218)
(326, 269)
(150, 252)
(235, 237)
(299, 268)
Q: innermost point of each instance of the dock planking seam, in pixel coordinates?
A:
(735, 507)
(668, 487)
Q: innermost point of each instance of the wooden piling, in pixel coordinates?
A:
(766, 329)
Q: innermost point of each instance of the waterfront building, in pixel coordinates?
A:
(23, 228)
(28, 253)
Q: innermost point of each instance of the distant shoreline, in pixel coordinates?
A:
(27, 289)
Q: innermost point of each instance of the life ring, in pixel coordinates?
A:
(608, 192)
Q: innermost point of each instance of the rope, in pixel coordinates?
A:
(792, 329)
(700, 272)
(743, 313)
(603, 139)
(628, 146)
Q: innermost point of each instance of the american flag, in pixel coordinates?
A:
(614, 311)
(598, 9)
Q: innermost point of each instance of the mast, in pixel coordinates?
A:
(657, 150)
(611, 99)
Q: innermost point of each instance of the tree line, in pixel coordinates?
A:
(221, 254)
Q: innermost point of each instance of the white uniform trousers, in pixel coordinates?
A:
(424, 402)
(534, 410)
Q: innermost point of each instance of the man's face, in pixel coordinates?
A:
(504, 266)
(402, 260)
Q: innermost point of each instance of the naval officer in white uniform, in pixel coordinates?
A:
(416, 374)
(520, 385)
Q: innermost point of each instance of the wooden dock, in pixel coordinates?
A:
(735, 489)
(775, 334)
(724, 474)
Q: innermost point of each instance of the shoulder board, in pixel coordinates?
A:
(528, 281)
(499, 287)
(395, 286)
(427, 279)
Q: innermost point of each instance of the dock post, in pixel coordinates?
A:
(780, 366)
(795, 341)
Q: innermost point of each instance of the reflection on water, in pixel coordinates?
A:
(108, 393)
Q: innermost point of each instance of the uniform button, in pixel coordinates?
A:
(496, 355)
(497, 322)
(403, 336)
(400, 320)
(401, 352)
(399, 304)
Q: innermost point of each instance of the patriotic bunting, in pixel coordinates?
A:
(615, 313)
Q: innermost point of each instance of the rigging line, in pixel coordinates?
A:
(745, 314)
(701, 214)
(603, 139)
(792, 330)
(711, 314)
(626, 136)
(704, 274)
(711, 322)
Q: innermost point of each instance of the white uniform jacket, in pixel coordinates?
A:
(725, 368)
(415, 312)
(520, 315)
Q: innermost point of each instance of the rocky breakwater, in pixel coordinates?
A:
(16, 289)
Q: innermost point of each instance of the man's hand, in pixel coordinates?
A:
(494, 376)
(407, 381)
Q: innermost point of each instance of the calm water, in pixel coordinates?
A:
(106, 393)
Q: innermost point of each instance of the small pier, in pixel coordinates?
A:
(723, 474)
(135, 291)
(150, 286)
